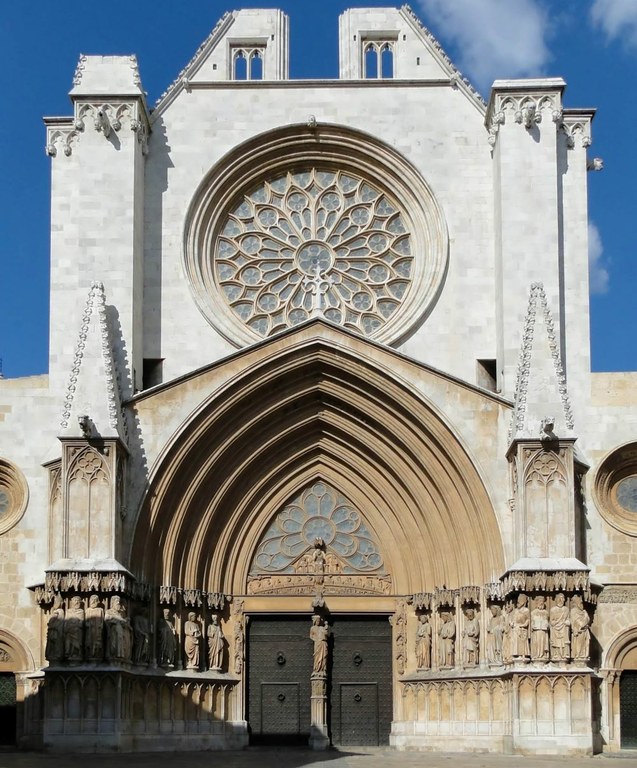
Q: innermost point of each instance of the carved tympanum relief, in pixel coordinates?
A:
(318, 542)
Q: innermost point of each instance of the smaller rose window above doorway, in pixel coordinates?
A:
(317, 242)
(318, 513)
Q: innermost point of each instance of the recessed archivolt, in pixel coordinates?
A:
(14, 656)
(621, 652)
(308, 414)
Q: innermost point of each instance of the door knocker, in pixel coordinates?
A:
(280, 658)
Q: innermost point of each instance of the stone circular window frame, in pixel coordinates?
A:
(296, 148)
(615, 467)
(14, 484)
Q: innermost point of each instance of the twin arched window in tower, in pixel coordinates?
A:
(247, 63)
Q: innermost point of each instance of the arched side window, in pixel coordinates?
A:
(256, 66)
(248, 63)
(387, 62)
(239, 66)
(378, 60)
(371, 62)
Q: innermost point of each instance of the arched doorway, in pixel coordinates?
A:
(330, 411)
(620, 668)
(13, 659)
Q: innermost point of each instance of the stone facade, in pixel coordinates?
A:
(314, 365)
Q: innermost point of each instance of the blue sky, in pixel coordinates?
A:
(591, 43)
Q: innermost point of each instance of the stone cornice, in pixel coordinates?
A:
(527, 109)
(102, 116)
(576, 125)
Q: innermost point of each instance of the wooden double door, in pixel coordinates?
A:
(359, 681)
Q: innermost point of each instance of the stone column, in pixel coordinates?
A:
(318, 728)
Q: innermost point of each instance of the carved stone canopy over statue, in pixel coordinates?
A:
(423, 643)
(319, 632)
(215, 645)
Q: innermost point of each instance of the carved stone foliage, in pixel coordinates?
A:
(95, 303)
(538, 304)
(238, 635)
(399, 623)
(105, 118)
(319, 540)
(618, 594)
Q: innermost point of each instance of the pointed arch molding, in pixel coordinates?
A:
(308, 413)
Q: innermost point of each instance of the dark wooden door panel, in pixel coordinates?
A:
(628, 709)
(279, 669)
(360, 708)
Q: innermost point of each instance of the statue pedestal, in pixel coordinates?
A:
(318, 729)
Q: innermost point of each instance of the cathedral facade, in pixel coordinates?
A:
(319, 457)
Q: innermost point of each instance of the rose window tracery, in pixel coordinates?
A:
(316, 242)
(318, 513)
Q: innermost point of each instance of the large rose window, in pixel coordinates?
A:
(314, 243)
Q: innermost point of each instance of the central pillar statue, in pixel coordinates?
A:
(319, 633)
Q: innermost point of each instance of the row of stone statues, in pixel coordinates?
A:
(516, 634)
(96, 634)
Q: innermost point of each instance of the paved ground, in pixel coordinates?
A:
(298, 758)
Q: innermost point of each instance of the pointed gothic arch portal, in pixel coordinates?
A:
(328, 414)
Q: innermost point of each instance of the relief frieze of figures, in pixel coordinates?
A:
(538, 630)
(110, 629)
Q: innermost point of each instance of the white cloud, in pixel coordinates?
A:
(617, 19)
(495, 38)
(597, 270)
